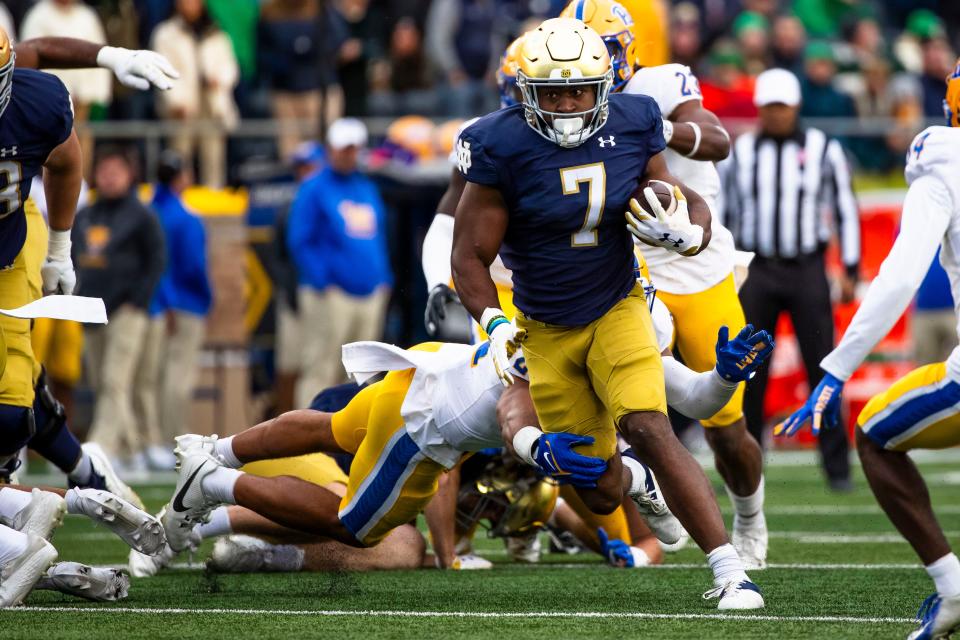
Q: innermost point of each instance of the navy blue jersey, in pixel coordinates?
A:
(38, 118)
(566, 241)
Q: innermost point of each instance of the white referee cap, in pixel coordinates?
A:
(347, 132)
(777, 86)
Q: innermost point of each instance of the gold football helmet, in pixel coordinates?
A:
(613, 22)
(951, 103)
(507, 74)
(564, 53)
(7, 58)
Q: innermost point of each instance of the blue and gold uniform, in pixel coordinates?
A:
(590, 347)
(38, 118)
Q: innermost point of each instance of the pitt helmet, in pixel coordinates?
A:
(613, 22)
(563, 53)
(6, 69)
(951, 103)
(507, 74)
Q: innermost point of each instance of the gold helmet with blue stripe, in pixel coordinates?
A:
(951, 103)
(507, 74)
(615, 25)
(7, 58)
(564, 53)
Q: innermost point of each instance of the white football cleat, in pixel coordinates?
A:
(678, 545)
(192, 442)
(137, 528)
(247, 554)
(18, 576)
(42, 516)
(103, 467)
(938, 617)
(179, 530)
(90, 583)
(189, 500)
(749, 538)
(471, 562)
(525, 549)
(736, 594)
(654, 509)
(144, 566)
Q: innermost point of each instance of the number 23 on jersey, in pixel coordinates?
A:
(595, 178)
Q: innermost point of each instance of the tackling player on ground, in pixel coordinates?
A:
(587, 334)
(922, 409)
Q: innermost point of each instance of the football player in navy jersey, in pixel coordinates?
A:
(36, 133)
(540, 176)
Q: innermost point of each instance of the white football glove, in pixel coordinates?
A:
(673, 232)
(57, 270)
(505, 339)
(138, 69)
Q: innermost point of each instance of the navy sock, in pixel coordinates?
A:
(15, 428)
(56, 443)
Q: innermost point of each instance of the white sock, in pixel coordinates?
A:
(283, 557)
(748, 507)
(946, 575)
(639, 475)
(13, 544)
(72, 497)
(223, 447)
(218, 484)
(83, 470)
(12, 502)
(726, 565)
(219, 524)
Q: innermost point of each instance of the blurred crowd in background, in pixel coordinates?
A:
(311, 60)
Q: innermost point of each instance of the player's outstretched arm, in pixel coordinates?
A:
(479, 226)
(62, 175)
(697, 133)
(697, 207)
(138, 69)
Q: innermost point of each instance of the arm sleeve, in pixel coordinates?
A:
(844, 206)
(926, 216)
(474, 162)
(437, 249)
(155, 258)
(695, 395)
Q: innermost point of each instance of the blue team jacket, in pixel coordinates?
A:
(336, 233)
(185, 285)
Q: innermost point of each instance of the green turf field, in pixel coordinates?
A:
(838, 570)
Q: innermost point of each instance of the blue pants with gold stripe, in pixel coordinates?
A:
(919, 411)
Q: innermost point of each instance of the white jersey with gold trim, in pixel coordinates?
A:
(671, 85)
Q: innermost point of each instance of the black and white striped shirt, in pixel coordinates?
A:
(785, 197)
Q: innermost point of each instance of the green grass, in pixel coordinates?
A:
(256, 604)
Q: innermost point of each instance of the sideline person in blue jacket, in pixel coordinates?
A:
(336, 234)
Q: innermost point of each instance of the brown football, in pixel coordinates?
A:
(663, 191)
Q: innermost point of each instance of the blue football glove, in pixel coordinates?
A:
(823, 406)
(739, 359)
(616, 552)
(554, 455)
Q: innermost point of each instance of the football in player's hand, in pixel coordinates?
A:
(662, 190)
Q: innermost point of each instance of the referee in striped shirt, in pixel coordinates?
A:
(787, 191)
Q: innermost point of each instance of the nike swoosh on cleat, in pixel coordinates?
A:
(178, 499)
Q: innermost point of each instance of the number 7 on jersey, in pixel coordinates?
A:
(596, 178)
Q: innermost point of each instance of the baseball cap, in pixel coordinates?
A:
(347, 132)
(819, 50)
(776, 86)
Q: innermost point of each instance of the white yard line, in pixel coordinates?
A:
(337, 613)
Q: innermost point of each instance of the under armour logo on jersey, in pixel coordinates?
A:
(463, 155)
(608, 141)
(12, 151)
